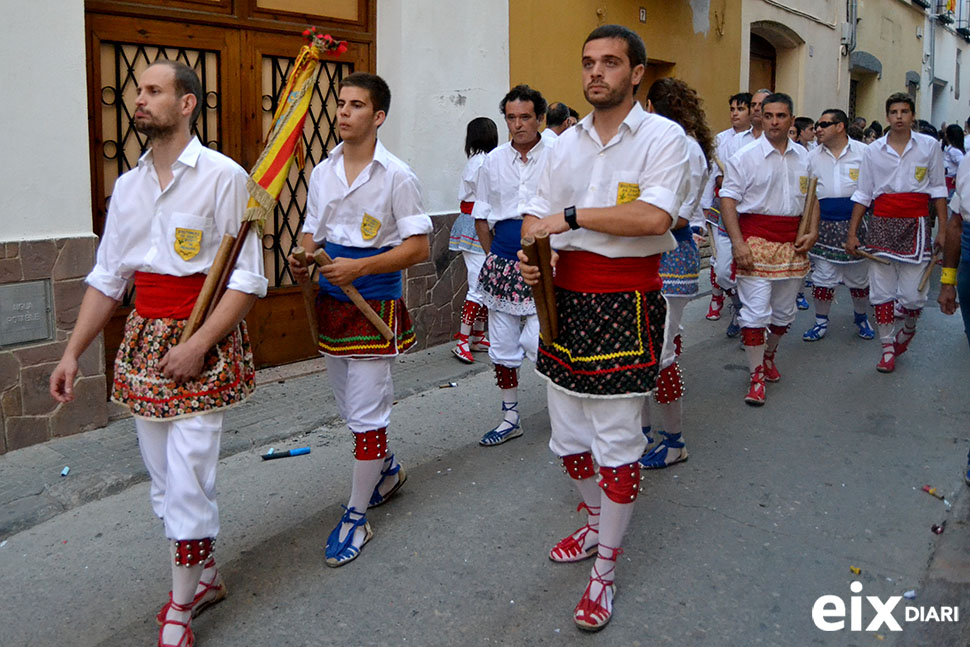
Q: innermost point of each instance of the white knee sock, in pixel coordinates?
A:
(366, 476)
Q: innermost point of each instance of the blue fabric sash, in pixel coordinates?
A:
(508, 239)
(835, 209)
(682, 234)
(376, 287)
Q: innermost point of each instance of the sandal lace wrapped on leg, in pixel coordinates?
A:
(594, 612)
(209, 593)
(340, 552)
(573, 548)
(506, 430)
(377, 499)
(188, 638)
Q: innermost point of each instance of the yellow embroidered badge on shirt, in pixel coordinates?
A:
(627, 192)
(854, 174)
(803, 183)
(369, 226)
(920, 173)
(188, 242)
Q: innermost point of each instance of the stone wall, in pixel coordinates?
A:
(435, 290)
(28, 415)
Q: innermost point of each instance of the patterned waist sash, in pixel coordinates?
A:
(373, 286)
(901, 205)
(579, 271)
(162, 296)
(835, 209)
(466, 207)
(774, 229)
(508, 239)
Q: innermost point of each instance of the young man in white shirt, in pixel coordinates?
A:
(740, 106)
(613, 185)
(762, 200)
(364, 206)
(166, 220)
(836, 162)
(902, 178)
(507, 180)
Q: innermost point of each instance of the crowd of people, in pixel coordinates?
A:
(625, 195)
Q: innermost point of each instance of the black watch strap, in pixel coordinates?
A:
(569, 213)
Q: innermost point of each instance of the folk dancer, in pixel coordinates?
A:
(762, 199)
(364, 207)
(506, 182)
(836, 162)
(481, 136)
(740, 109)
(612, 183)
(165, 223)
(902, 178)
(679, 270)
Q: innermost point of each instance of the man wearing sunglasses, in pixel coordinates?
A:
(835, 162)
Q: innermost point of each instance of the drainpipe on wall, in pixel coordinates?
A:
(853, 19)
(929, 69)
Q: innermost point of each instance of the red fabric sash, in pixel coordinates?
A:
(902, 205)
(589, 272)
(466, 207)
(774, 229)
(162, 296)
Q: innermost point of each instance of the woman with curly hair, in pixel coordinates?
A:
(679, 268)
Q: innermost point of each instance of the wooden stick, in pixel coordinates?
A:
(926, 273)
(531, 251)
(710, 234)
(864, 254)
(323, 259)
(309, 295)
(544, 248)
(208, 288)
(229, 267)
(806, 222)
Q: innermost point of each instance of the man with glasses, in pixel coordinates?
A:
(835, 162)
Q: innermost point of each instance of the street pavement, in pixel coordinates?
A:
(732, 547)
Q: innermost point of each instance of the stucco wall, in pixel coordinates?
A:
(446, 63)
(546, 38)
(45, 186)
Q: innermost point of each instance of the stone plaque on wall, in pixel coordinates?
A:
(25, 313)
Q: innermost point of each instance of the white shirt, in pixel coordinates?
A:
(469, 178)
(952, 156)
(690, 209)
(837, 177)
(764, 181)
(549, 135)
(707, 199)
(506, 184)
(380, 209)
(205, 200)
(960, 202)
(646, 160)
(918, 170)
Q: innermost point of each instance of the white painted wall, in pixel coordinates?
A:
(948, 107)
(446, 63)
(45, 186)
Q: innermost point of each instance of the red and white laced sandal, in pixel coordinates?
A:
(570, 549)
(594, 613)
(213, 592)
(188, 638)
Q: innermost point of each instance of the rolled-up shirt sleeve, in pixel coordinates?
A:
(106, 276)
(664, 182)
(482, 209)
(732, 185)
(937, 175)
(866, 184)
(409, 213)
(230, 207)
(312, 221)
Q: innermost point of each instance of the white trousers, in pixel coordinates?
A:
(724, 261)
(512, 337)
(826, 274)
(363, 389)
(181, 457)
(473, 265)
(897, 281)
(767, 302)
(607, 427)
(672, 327)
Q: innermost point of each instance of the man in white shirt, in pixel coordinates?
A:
(902, 178)
(609, 194)
(740, 106)
(724, 263)
(836, 162)
(507, 181)
(762, 200)
(166, 220)
(557, 120)
(364, 205)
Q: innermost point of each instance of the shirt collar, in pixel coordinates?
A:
(768, 149)
(381, 154)
(633, 120)
(883, 142)
(535, 150)
(189, 155)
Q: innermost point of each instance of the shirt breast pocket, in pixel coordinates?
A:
(625, 187)
(188, 234)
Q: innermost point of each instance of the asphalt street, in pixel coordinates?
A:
(732, 547)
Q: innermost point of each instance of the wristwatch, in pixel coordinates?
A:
(569, 213)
